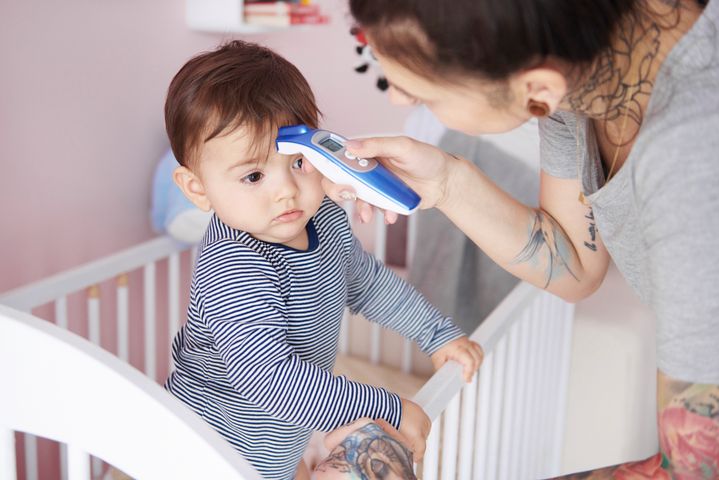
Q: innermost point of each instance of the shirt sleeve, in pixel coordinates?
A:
(678, 201)
(244, 311)
(558, 145)
(382, 297)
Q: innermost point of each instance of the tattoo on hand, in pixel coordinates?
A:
(547, 240)
(370, 453)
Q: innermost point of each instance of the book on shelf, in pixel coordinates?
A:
(285, 20)
(281, 8)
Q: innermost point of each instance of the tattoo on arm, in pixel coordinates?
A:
(369, 453)
(547, 241)
(592, 232)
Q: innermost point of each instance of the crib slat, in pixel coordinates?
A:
(466, 438)
(375, 352)
(496, 404)
(94, 335)
(551, 392)
(380, 248)
(344, 340)
(529, 444)
(481, 433)
(93, 314)
(509, 408)
(63, 461)
(78, 464)
(430, 463)
(380, 238)
(193, 257)
(565, 314)
(150, 340)
(519, 419)
(407, 356)
(61, 312)
(123, 318)
(8, 467)
(173, 298)
(450, 434)
(544, 379)
(31, 466)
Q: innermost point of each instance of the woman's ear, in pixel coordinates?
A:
(542, 85)
(192, 187)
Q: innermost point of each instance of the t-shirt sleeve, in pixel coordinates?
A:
(678, 203)
(558, 145)
(243, 308)
(382, 297)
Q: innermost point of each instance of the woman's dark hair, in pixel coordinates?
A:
(492, 38)
(239, 84)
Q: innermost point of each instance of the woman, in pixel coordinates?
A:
(627, 92)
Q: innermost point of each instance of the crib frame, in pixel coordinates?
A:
(507, 423)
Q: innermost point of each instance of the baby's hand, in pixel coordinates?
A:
(414, 427)
(463, 351)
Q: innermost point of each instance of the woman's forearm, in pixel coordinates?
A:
(527, 242)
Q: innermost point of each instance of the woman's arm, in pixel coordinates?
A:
(556, 246)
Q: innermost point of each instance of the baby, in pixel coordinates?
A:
(275, 270)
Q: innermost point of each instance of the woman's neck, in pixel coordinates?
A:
(621, 81)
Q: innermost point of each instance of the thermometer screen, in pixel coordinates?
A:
(331, 145)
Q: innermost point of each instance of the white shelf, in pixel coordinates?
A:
(220, 16)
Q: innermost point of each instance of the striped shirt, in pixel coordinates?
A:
(255, 357)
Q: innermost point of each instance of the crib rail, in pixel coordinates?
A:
(47, 290)
(508, 423)
(57, 289)
(107, 395)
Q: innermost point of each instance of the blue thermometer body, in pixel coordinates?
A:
(371, 180)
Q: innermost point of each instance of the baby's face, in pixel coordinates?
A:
(270, 198)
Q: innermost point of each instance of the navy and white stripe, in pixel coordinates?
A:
(256, 354)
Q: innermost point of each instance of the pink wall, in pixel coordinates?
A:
(82, 86)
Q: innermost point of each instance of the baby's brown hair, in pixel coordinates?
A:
(238, 84)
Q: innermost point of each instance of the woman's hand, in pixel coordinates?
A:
(425, 168)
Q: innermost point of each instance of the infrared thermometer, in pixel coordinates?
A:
(371, 180)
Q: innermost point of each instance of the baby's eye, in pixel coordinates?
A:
(297, 164)
(253, 177)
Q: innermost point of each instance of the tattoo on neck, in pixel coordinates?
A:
(621, 79)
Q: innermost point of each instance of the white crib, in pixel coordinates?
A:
(507, 424)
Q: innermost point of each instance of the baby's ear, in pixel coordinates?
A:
(192, 187)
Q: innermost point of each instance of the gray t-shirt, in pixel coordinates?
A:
(659, 215)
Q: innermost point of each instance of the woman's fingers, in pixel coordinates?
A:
(383, 147)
